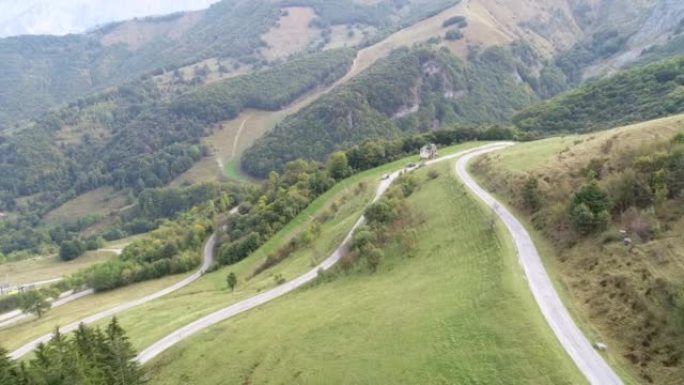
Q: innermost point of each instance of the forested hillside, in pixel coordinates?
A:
(413, 90)
(635, 95)
(130, 140)
(38, 72)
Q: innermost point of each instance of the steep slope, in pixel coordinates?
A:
(39, 72)
(411, 91)
(634, 95)
(607, 207)
(445, 284)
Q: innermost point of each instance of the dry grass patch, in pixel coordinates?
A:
(291, 34)
(102, 201)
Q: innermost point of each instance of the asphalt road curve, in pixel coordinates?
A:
(578, 347)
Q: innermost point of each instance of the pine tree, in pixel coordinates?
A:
(122, 368)
(8, 370)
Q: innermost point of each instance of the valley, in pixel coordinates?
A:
(234, 195)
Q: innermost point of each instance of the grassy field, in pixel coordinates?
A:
(568, 152)
(156, 319)
(101, 201)
(210, 293)
(628, 313)
(458, 312)
(51, 267)
(16, 335)
(292, 34)
(46, 268)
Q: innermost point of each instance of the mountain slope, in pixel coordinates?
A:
(38, 72)
(635, 95)
(629, 290)
(411, 91)
(448, 287)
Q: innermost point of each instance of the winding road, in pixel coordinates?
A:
(207, 259)
(14, 316)
(250, 303)
(586, 358)
(578, 347)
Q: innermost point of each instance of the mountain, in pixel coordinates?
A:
(40, 72)
(411, 91)
(61, 17)
(631, 96)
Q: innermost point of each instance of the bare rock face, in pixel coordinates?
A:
(664, 21)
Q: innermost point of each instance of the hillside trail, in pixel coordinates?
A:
(240, 307)
(577, 346)
(207, 260)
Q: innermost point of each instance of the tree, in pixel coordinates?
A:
(120, 357)
(589, 208)
(33, 302)
(70, 250)
(8, 370)
(231, 279)
(381, 212)
(338, 166)
(531, 197)
(454, 34)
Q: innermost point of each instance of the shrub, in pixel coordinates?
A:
(453, 21)
(71, 249)
(589, 209)
(531, 196)
(453, 35)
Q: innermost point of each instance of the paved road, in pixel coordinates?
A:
(14, 316)
(207, 255)
(250, 303)
(587, 359)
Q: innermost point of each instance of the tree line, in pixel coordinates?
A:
(634, 95)
(89, 356)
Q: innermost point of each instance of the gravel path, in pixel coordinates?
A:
(587, 359)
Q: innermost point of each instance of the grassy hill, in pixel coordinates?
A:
(451, 308)
(630, 294)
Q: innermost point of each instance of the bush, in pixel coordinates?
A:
(71, 249)
(453, 21)
(453, 35)
(589, 209)
(531, 195)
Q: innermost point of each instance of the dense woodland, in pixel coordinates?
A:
(635, 95)
(417, 90)
(88, 356)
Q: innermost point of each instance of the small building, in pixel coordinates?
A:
(429, 151)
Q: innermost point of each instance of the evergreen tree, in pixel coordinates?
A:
(8, 370)
(120, 357)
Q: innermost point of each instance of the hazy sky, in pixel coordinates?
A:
(59, 17)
